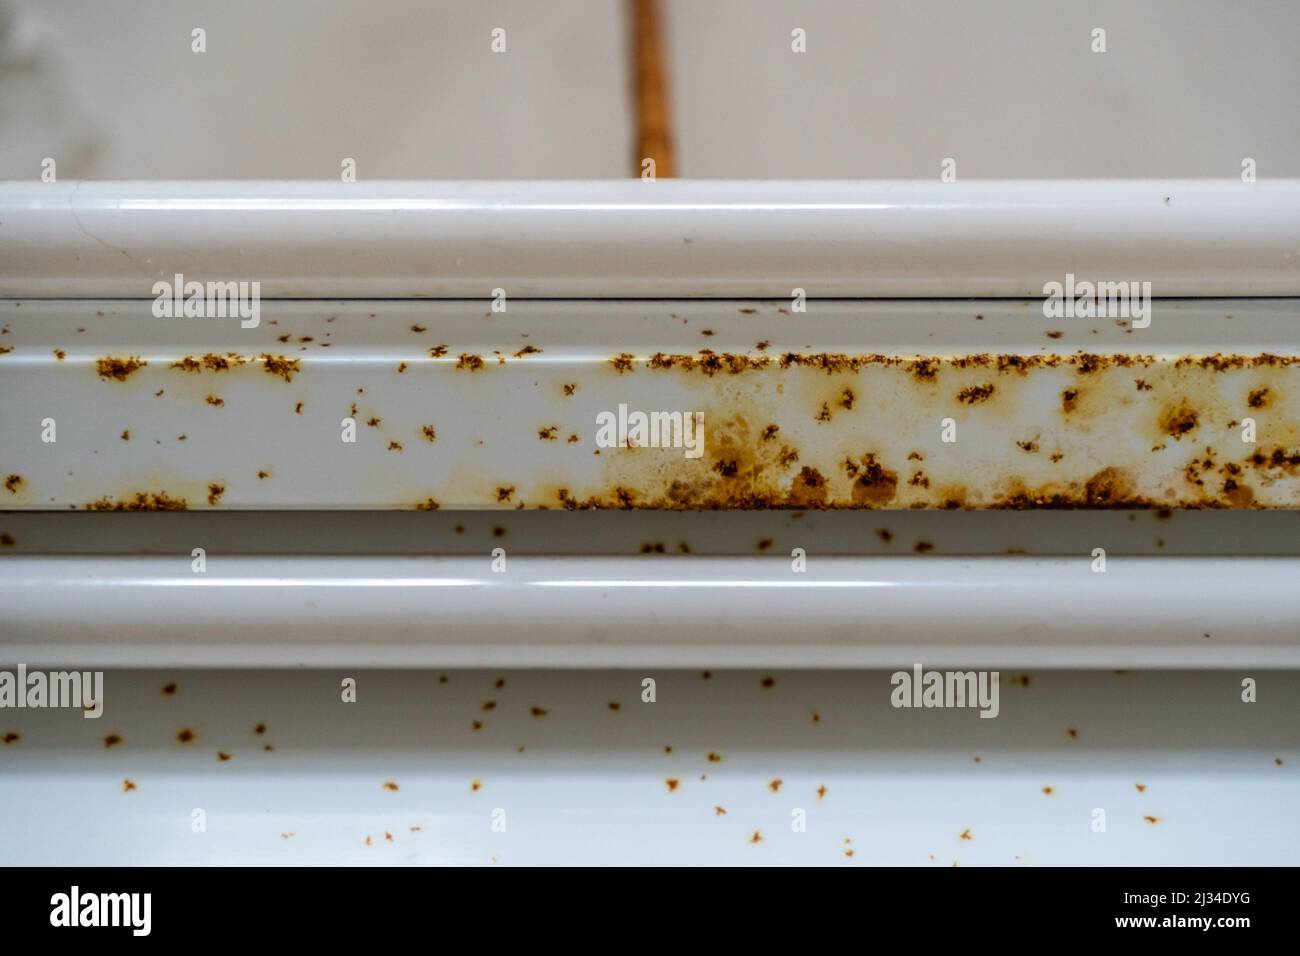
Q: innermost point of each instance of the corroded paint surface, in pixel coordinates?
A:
(857, 405)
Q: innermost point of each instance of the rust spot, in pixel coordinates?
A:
(1029, 446)
(767, 682)
(549, 433)
(1178, 419)
(391, 785)
(374, 422)
(394, 446)
(809, 489)
(185, 735)
(475, 785)
(570, 388)
(13, 483)
(775, 785)
(260, 729)
(847, 398)
(438, 351)
(279, 365)
(504, 492)
(652, 547)
(128, 785)
(11, 737)
(6, 540)
(528, 350)
(922, 547)
(297, 409)
(1108, 487)
(672, 783)
(1054, 335)
(498, 531)
(885, 535)
(538, 711)
(622, 362)
(143, 501)
(1258, 398)
(215, 491)
(169, 689)
(469, 361)
(119, 369)
(873, 485)
(1048, 790)
(757, 837)
(222, 755)
(112, 740)
(1151, 820)
(764, 544)
(428, 504)
(719, 811)
(263, 475)
(614, 705)
(60, 354)
(975, 394)
(126, 434)
(1069, 399)
(417, 329)
(1141, 787)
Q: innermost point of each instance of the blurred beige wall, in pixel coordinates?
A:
(288, 88)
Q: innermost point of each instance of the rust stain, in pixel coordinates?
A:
(119, 369)
(279, 365)
(469, 361)
(13, 483)
(141, 501)
(215, 491)
(1178, 419)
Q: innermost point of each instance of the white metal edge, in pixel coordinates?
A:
(670, 611)
(650, 239)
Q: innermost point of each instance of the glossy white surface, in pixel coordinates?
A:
(649, 611)
(650, 239)
(587, 784)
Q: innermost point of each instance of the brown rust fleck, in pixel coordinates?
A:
(874, 485)
(119, 369)
(438, 351)
(428, 504)
(394, 446)
(215, 401)
(470, 361)
(215, 491)
(143, 501)
(504, 492)
(847, 398)
(1069, 399)
(922, 547)
(185, 735)
(391, 786)
(1258, 398)
(570, 388)
(548, 433)
(13, 483)
(128, 785)
(1178, 419)
(417, 329)
(1110, 486)
(6, 540)
(428, 433)
(279, 365)
(672, 783)
(622, 362)
(528, 350)
(975, 394)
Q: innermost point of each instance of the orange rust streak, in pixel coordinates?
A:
(654, 138)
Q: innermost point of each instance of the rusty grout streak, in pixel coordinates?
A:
(653, 117)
